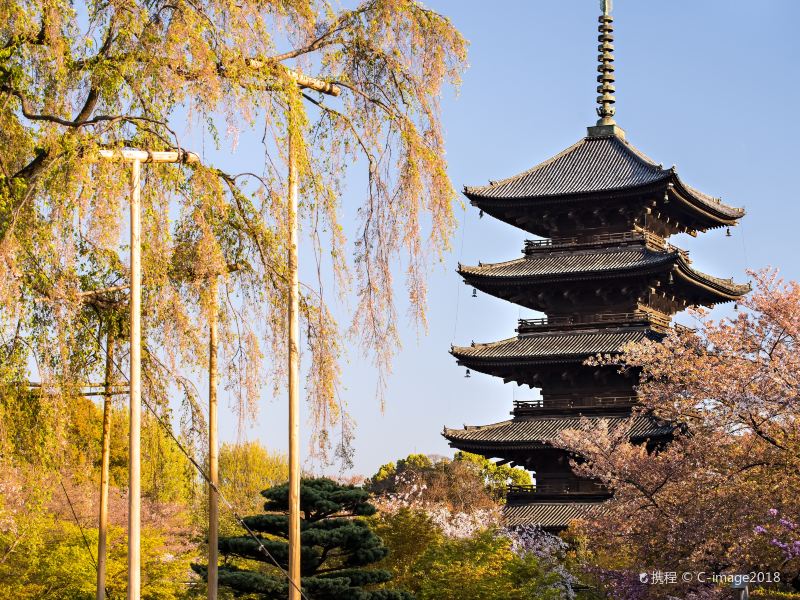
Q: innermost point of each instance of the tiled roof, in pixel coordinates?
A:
(572, 261)
(597, 261)
(524, 432)
(553, 344)
(594, 164)
(548, 514)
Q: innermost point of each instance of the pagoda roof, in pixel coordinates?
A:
(585, 264)
(548, 515)
(570, 262)
(596, 164)
(551, 346)
(521, 434)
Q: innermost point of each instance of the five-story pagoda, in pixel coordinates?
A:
(604, 274)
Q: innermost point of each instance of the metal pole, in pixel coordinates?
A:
(134, 460)
(106, 452)
(213, 448)
(294, 373)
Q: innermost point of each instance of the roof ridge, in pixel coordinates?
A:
(532, 169)
(641, 156)
(478, 427)
(482, 265)
(593, 163)
(487, 344)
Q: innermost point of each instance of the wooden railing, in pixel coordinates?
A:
(648, 237)
(563, 486)
(522, 407)
(653, 317)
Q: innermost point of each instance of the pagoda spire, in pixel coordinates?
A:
(606, 99)
(606, 125)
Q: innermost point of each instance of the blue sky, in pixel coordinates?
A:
(711, 87)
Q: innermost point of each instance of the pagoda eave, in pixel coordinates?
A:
(697, 211)
(550, 516)
(520, 434)
(517, 211)
(485, 202)
(706, 206)
(722, 290)
(533, 281)
(553, 347)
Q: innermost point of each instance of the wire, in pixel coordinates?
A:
(744, 247)
(78, 523)
(460, 257)
(222, 497)
(80, 527)
(217, 491)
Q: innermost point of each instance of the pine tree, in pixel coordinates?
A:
(337, 546)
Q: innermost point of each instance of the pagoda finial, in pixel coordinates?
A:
(606, 99)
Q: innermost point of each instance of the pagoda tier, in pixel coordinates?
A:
(601, 184)
(554, 359)
(617, 278)
(527, 440)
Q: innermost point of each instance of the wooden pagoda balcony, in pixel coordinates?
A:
(573, 488)
(640, 236)
(583, 404)
(657, 319)
(601, 239)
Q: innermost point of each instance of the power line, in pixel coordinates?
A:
(80, 527)
(78, 523)
(458, 283)
(215, 489)
(222, 497)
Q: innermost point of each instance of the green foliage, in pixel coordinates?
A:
(43, 551)
(434, 567)
(446, 479)
(414, 462)
(244, 470)
(337, 546)
(408, 534)
(496, 476)
(44, 554)
(167, 475)
(27, 425)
